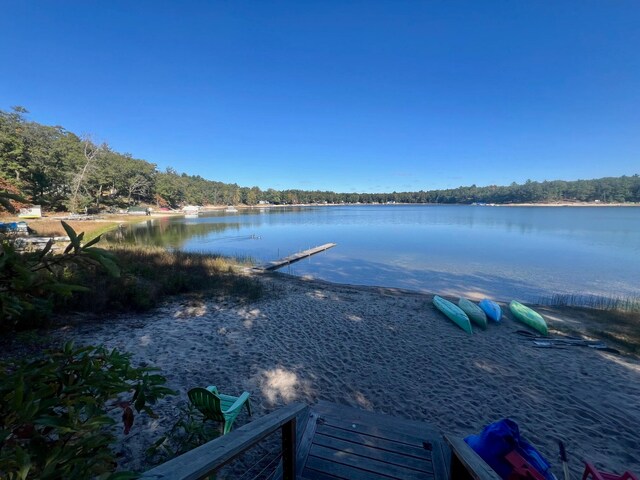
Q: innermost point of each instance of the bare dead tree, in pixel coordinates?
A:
(139, 185)
(90, 153)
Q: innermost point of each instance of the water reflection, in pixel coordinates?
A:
(169, 233)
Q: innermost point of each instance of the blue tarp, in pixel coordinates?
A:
(14, 227)
(500, 438)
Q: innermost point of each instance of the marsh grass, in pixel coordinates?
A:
(618, 304)
(614, 319)
(151, 274)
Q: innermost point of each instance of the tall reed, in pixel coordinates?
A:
(150, 274)
(596, 302)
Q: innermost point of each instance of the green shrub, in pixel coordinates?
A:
(54, 412)
(190, 431)
(31, 283)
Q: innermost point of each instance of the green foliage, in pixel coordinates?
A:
(32, 282)
(189, 432)
(56, 169)
(55, 412)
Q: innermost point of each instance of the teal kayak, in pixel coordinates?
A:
(529, 317)
(492, 309)
(473, 311)
(454, 313)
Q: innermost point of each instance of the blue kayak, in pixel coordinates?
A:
(492, 309)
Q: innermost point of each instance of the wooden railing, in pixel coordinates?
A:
(206, 459)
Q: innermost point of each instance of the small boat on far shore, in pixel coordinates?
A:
(231, 209)
(453, 312)
(492, 309)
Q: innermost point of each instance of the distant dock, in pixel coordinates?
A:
(275, 265)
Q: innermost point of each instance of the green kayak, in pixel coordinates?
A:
(474, 312)
(529, 317)
(454, 313)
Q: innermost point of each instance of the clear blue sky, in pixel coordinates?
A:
(338, 95)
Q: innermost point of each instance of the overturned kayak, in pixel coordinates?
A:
(529, 317)
(455, 314)
(473, 311)
(492, 309)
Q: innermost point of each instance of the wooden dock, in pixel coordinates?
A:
(276, 264)
(349, 443)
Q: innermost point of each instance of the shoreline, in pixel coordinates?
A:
(125, 218)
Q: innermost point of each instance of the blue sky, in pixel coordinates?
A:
(367, 96)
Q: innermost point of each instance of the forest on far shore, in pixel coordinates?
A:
(60, 170)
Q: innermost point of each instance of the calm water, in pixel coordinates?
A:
(500, 252)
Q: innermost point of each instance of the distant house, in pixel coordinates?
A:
(34, 211)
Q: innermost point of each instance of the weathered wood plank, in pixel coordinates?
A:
(354, 443)
(441, 459)
(340, 458)
(315, 475)
(388, 423)
(377, 442)
(372, 452)
(367, 427)
(473, 466)
(295, 257)
(321, 469)
(305, 441)
(203, 460)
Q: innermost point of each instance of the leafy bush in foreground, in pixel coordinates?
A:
(189, 431)
(32, 282)
(54, 412)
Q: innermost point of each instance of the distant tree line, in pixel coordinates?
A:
(63, 171)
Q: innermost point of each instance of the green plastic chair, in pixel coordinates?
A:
(217, 406)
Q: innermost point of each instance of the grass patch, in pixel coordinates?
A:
(53, 228)
(91, 226)
(613, 319)
(150, 274)
(618, 304)
(620, 330)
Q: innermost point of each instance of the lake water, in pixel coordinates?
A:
(499, 252)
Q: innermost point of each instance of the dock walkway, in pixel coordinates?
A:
(295, 257)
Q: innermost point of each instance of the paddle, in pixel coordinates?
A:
(563, 458)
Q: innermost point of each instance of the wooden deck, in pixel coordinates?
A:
(348, 443)
(329, 442)
(276, 264)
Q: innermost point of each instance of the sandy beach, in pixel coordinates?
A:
(383, 350)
